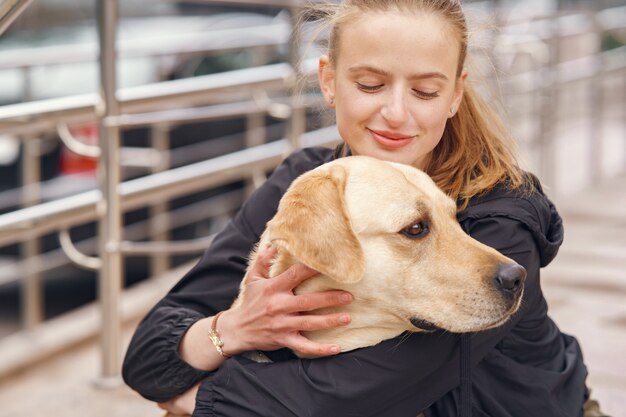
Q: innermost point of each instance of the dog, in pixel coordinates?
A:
(387, 234)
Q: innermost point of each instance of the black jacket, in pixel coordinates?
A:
(526, 368)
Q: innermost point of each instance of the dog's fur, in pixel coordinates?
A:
(347, 219)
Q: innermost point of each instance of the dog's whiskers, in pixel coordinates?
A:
(402, 339)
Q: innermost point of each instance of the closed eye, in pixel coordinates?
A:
(368, 88)
(416, 230)
(425, 95)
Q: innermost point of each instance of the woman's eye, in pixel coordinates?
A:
(426, 95)
(368, 88)
(416, 230)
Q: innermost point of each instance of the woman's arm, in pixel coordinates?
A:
(153, 364)
(268, 317)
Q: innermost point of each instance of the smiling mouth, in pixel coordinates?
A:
(424, 325)
(391, 140)
(391, 135)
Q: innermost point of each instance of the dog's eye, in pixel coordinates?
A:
(415, 230)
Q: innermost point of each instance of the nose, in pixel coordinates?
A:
(394, 110)
(510, 279)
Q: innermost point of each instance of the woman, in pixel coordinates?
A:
(395, 76)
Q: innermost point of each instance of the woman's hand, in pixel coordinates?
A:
(271, 317)
(183, 405)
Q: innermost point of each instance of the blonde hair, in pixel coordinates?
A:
(476, 150)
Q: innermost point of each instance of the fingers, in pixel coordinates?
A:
(315, 301)
(169, 414)
(292, 277)
(167, 407)
(261, 265)
(306, 347)
(311, 323)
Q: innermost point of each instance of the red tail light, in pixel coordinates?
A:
(73, 164)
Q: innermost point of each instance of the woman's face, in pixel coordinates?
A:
(394, 85)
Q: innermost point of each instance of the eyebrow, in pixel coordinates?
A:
(380, 71)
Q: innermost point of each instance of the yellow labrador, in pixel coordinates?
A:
(387, 234)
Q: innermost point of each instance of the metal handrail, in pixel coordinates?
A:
(213, 207)
(262, 3)
(204, 42)
(81, 208)
(10, 10)
(75, 145)
(167, 94)
(185, 247)
(275, 107)
(569, 71)
(76, 256)
(42, 115)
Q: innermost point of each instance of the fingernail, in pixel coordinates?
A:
(344, 319)
(335, 349)
(346, 298)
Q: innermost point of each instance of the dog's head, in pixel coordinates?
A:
(386, 233)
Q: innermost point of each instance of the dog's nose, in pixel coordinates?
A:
(510, 278)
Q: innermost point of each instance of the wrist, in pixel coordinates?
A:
(226, 327)
(215, 337)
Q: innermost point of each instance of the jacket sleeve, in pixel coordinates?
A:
(152, 365)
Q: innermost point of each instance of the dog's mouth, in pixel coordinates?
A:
(424, 325)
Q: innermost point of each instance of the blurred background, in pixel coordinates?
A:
(196, 104)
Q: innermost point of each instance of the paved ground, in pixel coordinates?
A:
(586, 288)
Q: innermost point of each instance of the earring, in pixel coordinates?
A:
(331, 100)
(452, 109)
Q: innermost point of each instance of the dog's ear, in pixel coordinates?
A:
(313, 225)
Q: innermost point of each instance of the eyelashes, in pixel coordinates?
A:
(424, 94)
(368, 88)
(375, 88)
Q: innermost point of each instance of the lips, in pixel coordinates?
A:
(392, 140)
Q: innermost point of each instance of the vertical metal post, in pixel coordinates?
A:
(596, 112)
(32, 291)
(32, 295)
(297, 122)
(255, 135)
(549, 104)
(159, 221)
(110, 227)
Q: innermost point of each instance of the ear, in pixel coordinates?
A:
(326, 78)
(312, 224)
(459, 89)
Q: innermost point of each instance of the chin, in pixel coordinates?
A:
(401, 156)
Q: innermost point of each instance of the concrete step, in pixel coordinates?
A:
(586, 286)
(26, 349)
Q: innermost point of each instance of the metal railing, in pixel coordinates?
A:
(117, 110)
(44, 115)
(540, 41)
(68, 212)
